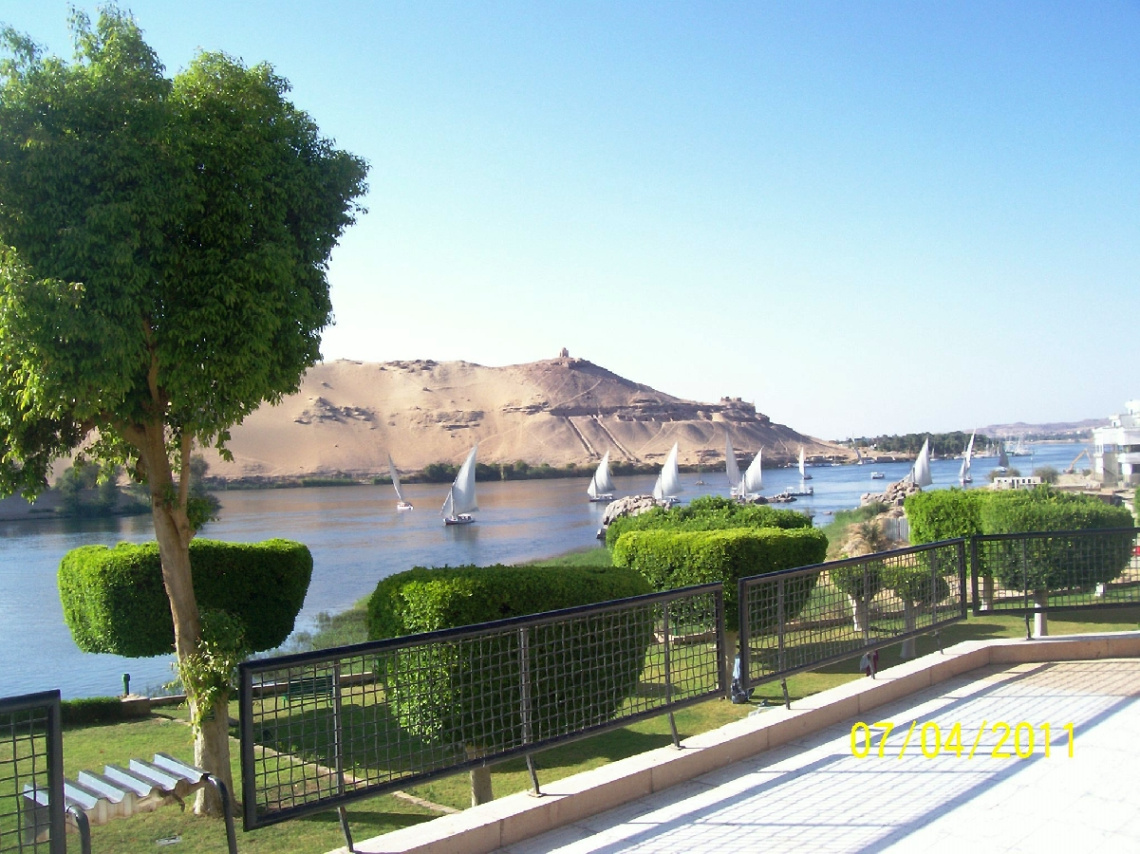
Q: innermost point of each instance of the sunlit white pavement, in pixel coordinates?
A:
(814, 794)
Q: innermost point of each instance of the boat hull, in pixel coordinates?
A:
(461, 519)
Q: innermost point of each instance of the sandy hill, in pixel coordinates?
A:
(348, 416)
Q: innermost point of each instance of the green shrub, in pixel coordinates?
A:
(945, 514)
(707, 513)
(1055, 562)
(114, 600)
(670, 559)
(92, 710)
(916, 583)
(444, 691)
(860, 580)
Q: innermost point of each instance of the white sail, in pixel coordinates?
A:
(803, 465)
(964, 473)
(669, 481)
(395, 477)
(601, 483)
(731, 469)
(753, 476)
(920, 474)
(461, 497)
(401, 502)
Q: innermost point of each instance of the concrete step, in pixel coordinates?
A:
(121, 792)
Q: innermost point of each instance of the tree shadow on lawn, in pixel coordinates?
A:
(606, 746)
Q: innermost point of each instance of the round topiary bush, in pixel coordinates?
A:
(468, 693)
(114, 600)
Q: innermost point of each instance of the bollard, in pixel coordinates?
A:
(126, 684)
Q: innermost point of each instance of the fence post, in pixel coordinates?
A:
(1025, 585)
(668, 664)
(338, 751)
(526, 712)
(960, 553)
(744, 639)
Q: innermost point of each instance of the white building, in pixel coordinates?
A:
(1116, 448)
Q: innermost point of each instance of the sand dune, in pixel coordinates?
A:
(348, 416)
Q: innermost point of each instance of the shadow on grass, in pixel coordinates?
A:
(378, 821)
(608, 746)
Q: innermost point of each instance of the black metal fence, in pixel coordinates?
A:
(801, 619)
(1052, 571)
(319, 730)
(31, 774)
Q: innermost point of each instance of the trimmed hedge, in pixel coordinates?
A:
(427, 599)
(114, 600)
(915, 583)
(670, 559)
(1055, 562)
(945, 514)
(92, 710)
(860, 580)
(469, 693)
(707, 513)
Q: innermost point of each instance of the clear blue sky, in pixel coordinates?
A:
(876, 217)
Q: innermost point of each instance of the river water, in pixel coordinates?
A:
(357, 537)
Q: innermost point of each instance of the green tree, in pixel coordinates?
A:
(163, 253)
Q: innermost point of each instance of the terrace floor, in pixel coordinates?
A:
(970, 789)
(814, 794)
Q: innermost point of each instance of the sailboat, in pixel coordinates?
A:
(401, 504)
(731, 469)
(964, 473)
(460, 499)
(1003, 459)
(804, 489)
(920, 473)
(669, 481)
(601, 486)
(858, 457)
(753, 477)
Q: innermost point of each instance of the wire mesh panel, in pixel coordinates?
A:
(1044, 571)
(31, 774)
(800, 619)
(322, 729)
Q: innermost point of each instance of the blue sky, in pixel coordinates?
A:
(863, 217)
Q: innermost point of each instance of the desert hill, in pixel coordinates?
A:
(348, 416)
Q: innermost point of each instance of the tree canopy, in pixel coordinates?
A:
(164, 245)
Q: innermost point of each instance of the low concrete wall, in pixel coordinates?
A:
(514, 818)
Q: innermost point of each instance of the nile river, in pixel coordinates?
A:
(357, 538)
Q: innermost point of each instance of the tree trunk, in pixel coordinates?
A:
(481, 792)
(860, 612)
(211, 752)
(987, 592)
(173, 533)
(1041, 618)
(910, 621)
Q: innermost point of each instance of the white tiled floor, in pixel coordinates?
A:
(816, 796)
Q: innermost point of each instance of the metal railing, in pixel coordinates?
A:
(322, 729)
(801, 619)
(32, 817)
(1052, 571)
